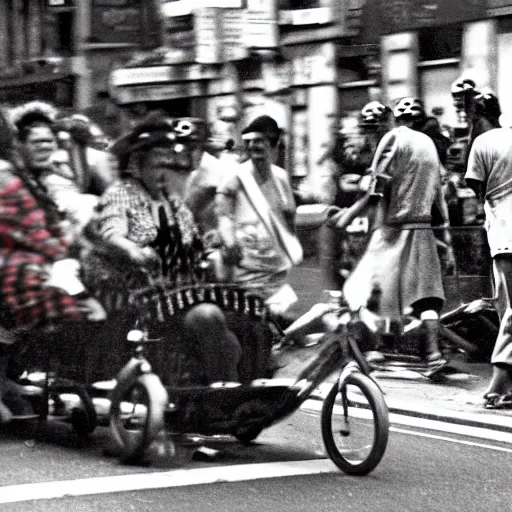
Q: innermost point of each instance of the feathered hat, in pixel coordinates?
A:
(32, 112)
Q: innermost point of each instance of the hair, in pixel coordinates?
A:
(33, 114)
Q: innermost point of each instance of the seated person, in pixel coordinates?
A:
(32, 246)
(143, 231)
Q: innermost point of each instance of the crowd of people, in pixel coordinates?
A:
(82, 227)
(413, 174)
(85, 222)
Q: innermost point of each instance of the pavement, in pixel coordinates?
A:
(457, 399)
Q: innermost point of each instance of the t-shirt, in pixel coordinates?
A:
(490, 161)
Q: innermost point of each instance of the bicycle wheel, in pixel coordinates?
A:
(355, 424)
(137, 415)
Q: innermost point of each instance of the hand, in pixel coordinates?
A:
(92, 309)
(143, 257)
(232, 255)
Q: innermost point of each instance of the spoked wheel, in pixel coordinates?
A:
(137, 415)
(355, 425)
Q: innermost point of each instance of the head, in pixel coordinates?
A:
(261, 138)
(374, 117)
(81, 130)
(409, 111)
(463, 93)
(35, 125)
(161, 152)
(487, 105)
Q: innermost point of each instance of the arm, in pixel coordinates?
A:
(225, 205)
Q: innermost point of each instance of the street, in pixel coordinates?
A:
(428, 466)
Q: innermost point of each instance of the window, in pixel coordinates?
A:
(440, 43)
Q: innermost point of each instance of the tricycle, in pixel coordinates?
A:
(146, 403)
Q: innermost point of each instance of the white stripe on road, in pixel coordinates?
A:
(163, 480)
(413, 421)
(451, 439)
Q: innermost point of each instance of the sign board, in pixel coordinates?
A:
(138, 94)
(315, 16)
(276, 75)
(314, 65)
(124, 21)
(60, 3)
(261, 27)
(153, 74)
(393, 16)
(183, 7)
(233, 26)
(208, 30)
(499, 7)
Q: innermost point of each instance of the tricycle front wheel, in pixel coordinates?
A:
(137, 415)
(355, 424)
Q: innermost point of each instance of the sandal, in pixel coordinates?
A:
(491, 400)
(436, 366)
(497, 401)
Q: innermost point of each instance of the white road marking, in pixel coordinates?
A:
(163, 480)
(450, 439)
(413, 421)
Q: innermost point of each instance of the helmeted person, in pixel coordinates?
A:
(479, 106)
(337, 255)
(489, 174)
(401, 258)
(414, 109)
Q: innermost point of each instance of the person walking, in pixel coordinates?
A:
(256, 212)
(401, 258)
(489, 174)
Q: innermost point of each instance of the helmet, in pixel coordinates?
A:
(462, 86)
(374, 114)
(409, 107)
(487, 104)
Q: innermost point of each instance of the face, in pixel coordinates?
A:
(39, 146)
(257, 146)
(161, 175)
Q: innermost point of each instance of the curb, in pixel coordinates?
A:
(483, 420)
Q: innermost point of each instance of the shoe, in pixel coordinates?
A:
(436, 366)
(497, 401)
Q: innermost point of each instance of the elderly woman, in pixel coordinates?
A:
(65, 171)
(144, 229)
(33, 252)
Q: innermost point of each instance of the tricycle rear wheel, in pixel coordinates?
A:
(355, 413)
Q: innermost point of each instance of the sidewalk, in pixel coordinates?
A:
(458, 399)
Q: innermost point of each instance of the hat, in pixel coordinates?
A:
(265, 125)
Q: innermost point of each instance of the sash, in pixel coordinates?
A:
(288, 241)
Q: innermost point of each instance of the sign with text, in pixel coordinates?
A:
(153, 74)
(125, 95)
(208, 30)
(125, 21)
(392, 16)
(261, 27)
